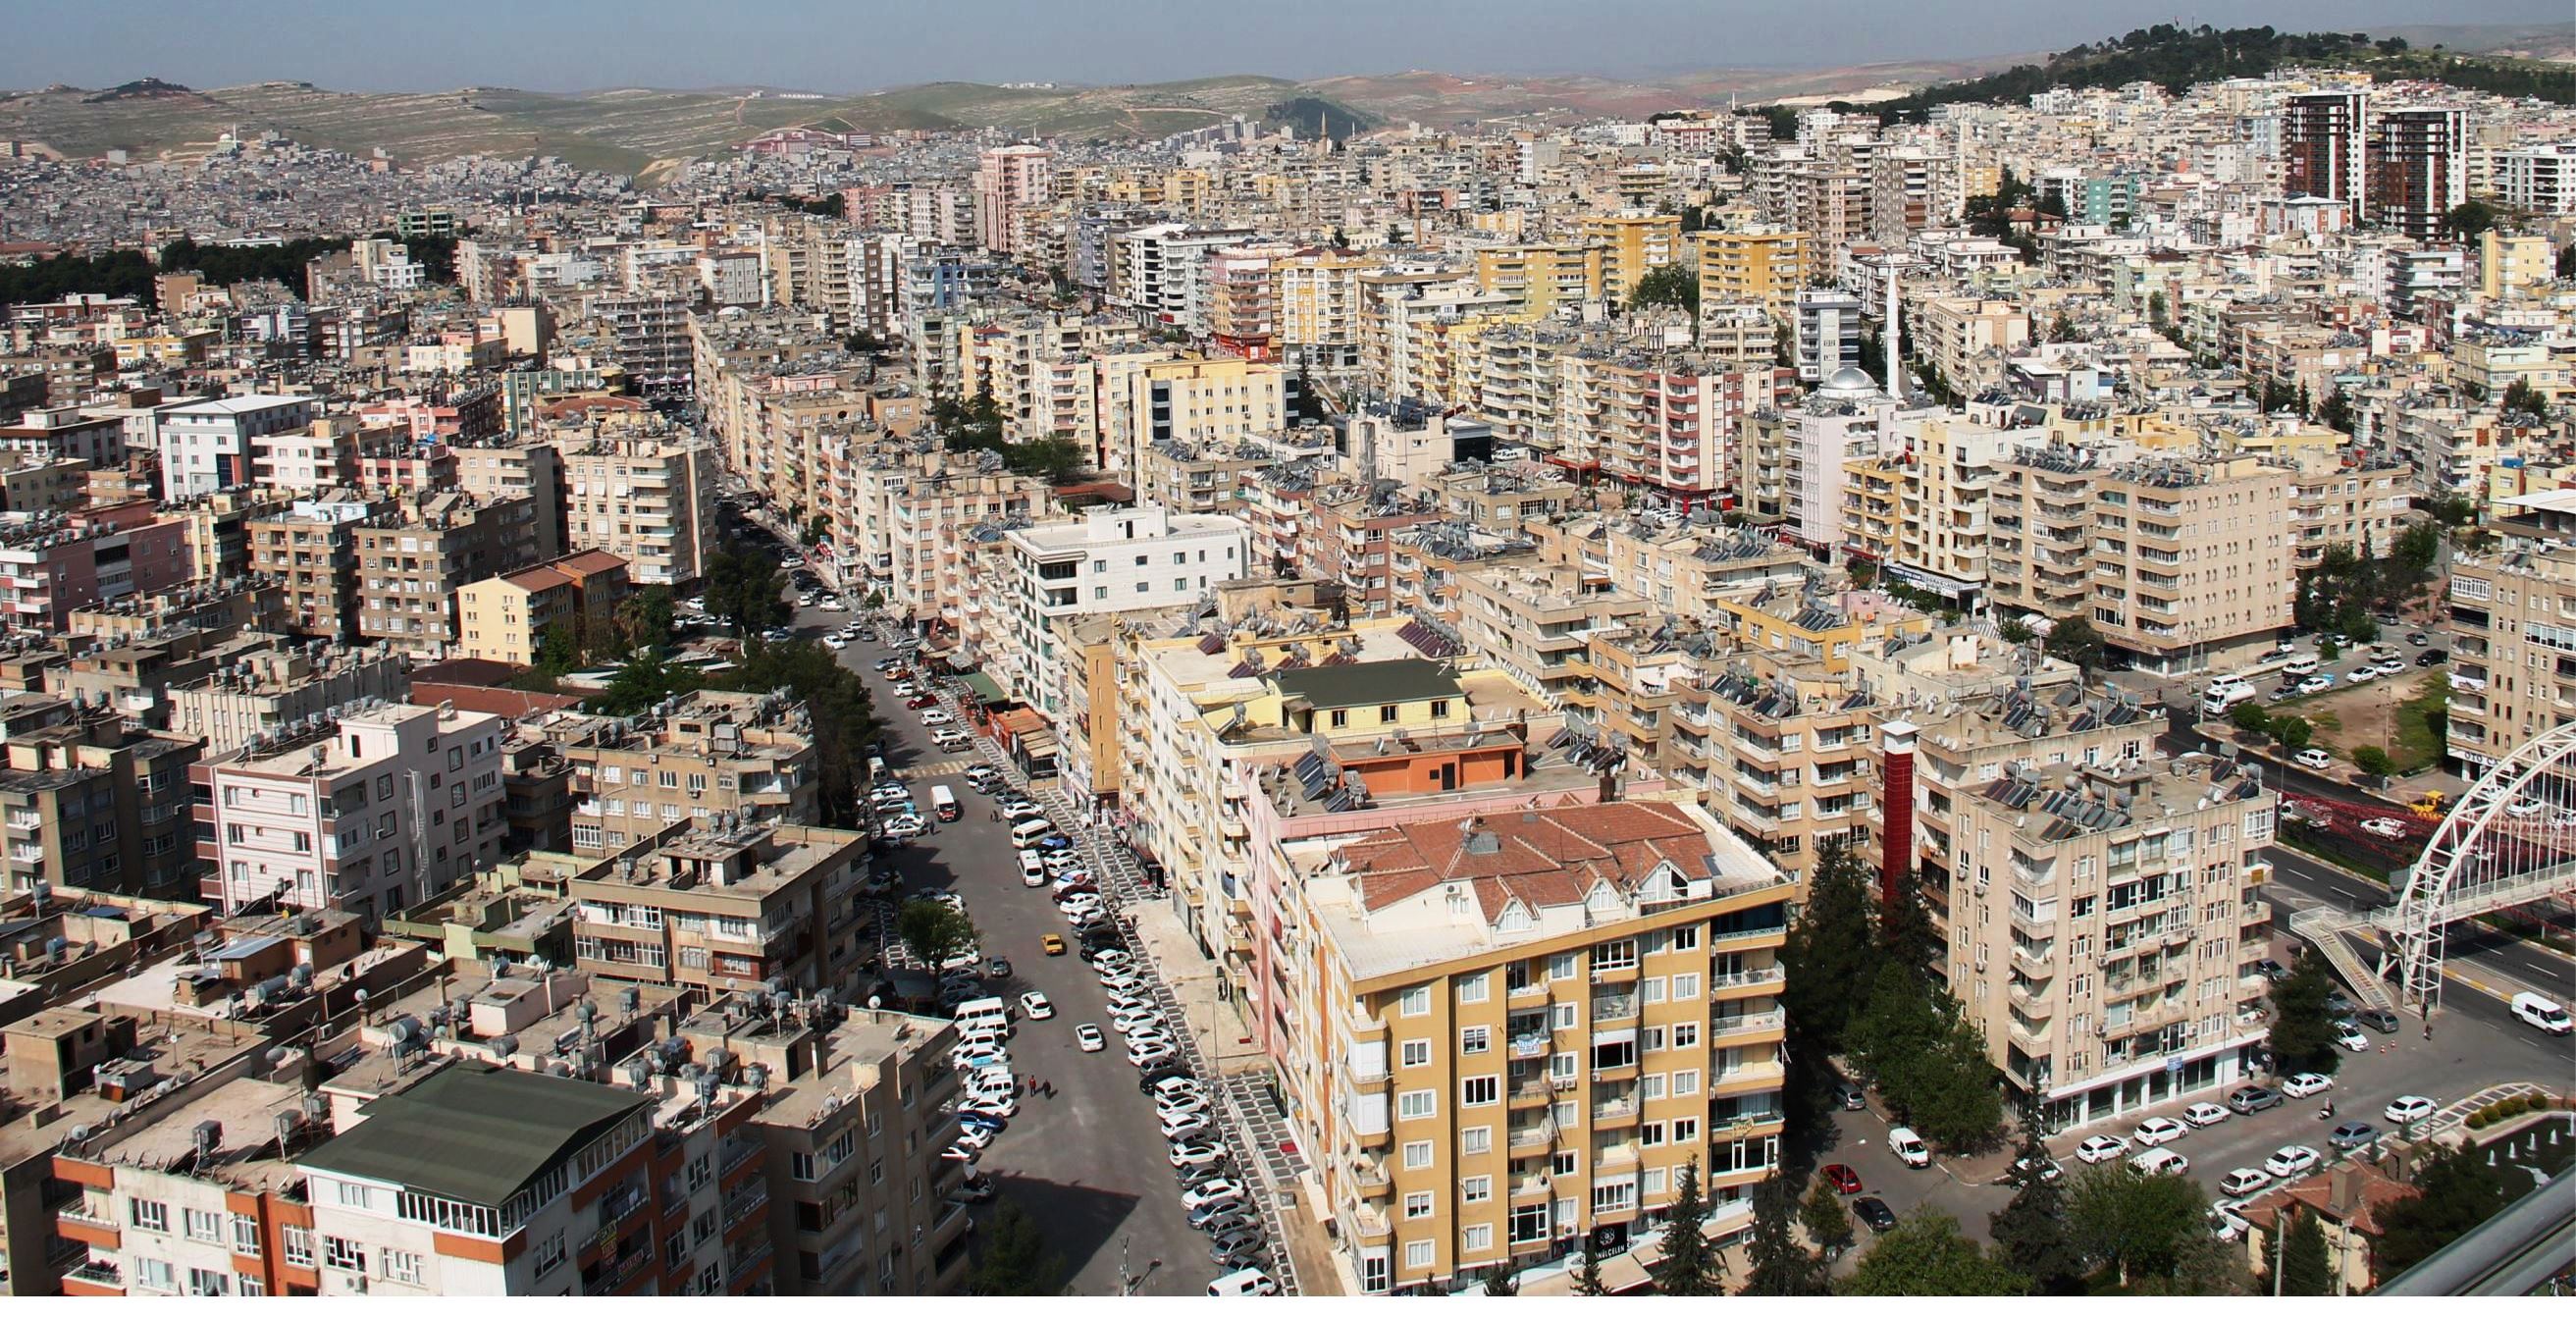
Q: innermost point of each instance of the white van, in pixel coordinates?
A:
(2540, 1012)
(1908, 1147)
(876, 769)
(984, 1013)
(2304, 665)
(1029, 831)
(1251, 1282)
(943, 802)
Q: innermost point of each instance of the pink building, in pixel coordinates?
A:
(51, 565)
(1007, 180)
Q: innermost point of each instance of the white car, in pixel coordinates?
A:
(2320, 682)
(1142, 1019)
(2243, 1182)
(2306, 1083)
(2292, 1160)
(2100, 1148)
(1032, 874)
(1035, 1006)
(1143, 1052)
(1180, 1103)
(1089, 1038)
(1214, 1191)
(978, 1137)
(2161, 1161)
(904, 690)
(1190, 1126)
(1201, 1153)
(2389, 828)
(2204, 1113)
(2523, 809)
(936, 717)
(2409, 1109)
(833, 606)
(2389, 667)
(2362, 676)
(1022, 809)
(1908, 1147)
(2350, 1038)
(1114, 958)
(835, 644)
(2313, 758)
(2155, 1131)
(905, 825)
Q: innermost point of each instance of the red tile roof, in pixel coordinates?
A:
(1548, 857)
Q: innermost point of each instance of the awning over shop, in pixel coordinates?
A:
(983, 688)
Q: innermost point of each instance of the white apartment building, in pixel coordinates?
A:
(206, 446)
(1113, 560)
(367, 814)
(649, 501)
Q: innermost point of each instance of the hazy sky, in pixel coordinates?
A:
(855, 45)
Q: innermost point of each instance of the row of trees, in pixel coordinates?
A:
(975, 424)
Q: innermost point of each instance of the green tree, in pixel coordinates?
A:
(2373, 760)
(646, 679)
(2014, 631)
(557, 651)
(1675, 284)
(1781, 1268)
(1905, 933)
(1053, 459)
(2470, 218)
(1015, 1259)
(934, 931)
(2305, 1269)
(2567, 261)
(2132, 1224)
(2523, 397)
(841, 716)
(2417, 549)
(1502, 1283)
(2292, 733)
(2030, 1231)
(1587, 1271)
(2302, 1034)
(2456, 1190)
(2074, 640)
(644, 618)
(2249, 717)
(746, 591)
(1827, 1221)
(1928, 1256)
(1691, 1266)
(862, 340)
(1828, 950)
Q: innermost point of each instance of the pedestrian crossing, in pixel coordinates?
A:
(936, 768)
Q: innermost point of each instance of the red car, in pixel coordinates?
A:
(921, 701)
(1843, 1178)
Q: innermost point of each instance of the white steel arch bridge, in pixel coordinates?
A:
(2509, 840)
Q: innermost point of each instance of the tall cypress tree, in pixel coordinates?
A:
(2305, 1269)
(1781, 1267)
(1690, 1266)
(2030, 1231)
(1587, 1273)
(1828, 951)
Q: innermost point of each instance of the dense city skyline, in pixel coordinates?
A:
(582, 45)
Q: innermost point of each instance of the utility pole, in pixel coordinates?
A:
(1126, 1278)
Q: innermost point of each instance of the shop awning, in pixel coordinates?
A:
(981, 687)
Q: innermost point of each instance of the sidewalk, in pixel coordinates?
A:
(1217, 1025)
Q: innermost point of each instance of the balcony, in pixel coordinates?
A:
(1613, 1009)
(1748, 1024)
(1532, 1188)
(1621, 1112)
(1367, 1222)
(1371, 1177)
(1745, 1078)
(1533, 1138)
(1749, 982)
(1536, 1091)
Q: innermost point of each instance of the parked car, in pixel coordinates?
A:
(1851, 1096)
(1908, 1147)
(2157, 1130)
(2314, 759)
(1089, 1038)
(2100, 1148)
(1214, 1191)
(1252, 1282)
(2320, 682)
(2352, 1134)
(2432, 658)
(2253, 1098)
(2409, 1109)
(2204, 1114)
(1844, 1179)
(936, 718)
(1197, 1152)
(2161, 1161)
(2291, 1161)
(2047, 1168)
(2350, 1038)
(1051, 944)
(2271, 969)
(2306, 1084)
(2381, 1020)
(922, 701)
(1874, 1213)
(903, 827)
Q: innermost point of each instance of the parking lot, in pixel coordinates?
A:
(2347, 713)
(1089, 1162)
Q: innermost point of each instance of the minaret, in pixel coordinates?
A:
(1887, 333)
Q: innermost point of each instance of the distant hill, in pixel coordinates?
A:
(2177, 57)
(1306, 113)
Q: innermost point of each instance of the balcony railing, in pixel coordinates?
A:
(1755, 1022)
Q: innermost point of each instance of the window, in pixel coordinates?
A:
(399, 1265)
(1440, 708)
(1340, 718)
(1475, 987)
(1417, 1104)
(343, 1254)
(1477, 1239)
(1475, 1040)
(1685, 1035)
(1480, 1090)
(1417, 1001)
(550, 1253)
(1417, 1154)
(246, 1236)
(1386, 713)
(296, 1243)
(153, 1274)
(1476, 1141)
(352, 1195)
(149, 1215)
(1561, 965)
(1476, 1188)
(1373, 1274)
(1417, 1051)
(1417, 1255)
(1685, 1083)
(206, 1227)
(1566, 1015)
(1685, 987)
(1686, 938)
(1416, 1206)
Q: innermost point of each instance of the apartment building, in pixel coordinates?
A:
(651, 501)
(1780, 746)
(2179, 564)
(311, 549)
(2513, 611)
(366, 813)
(728, 904)
(2361, 502)
(1514, 1028)
(1538, 277)
(909, 515)
(1682, 566)
(412, 562)
(2105, 921)
(1970, 339)
(2419, 169)
(1668, 423)
(259, 692)
(531, 468)
(1631, 243)
(852, 1187)
(90, 801)
(1532, 619)
(1759, 267)
(1008, 181)
(1148, 399)
(1793, 464)
(207, 446)
(506, 618)
(1319, 308)
(700, 755)
(56, 564)
(1112, 560)
(2323, 149)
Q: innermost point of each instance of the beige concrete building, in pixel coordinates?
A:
(257, 693)
(727, 904)
(90, 801)
(506, 618)
(1514, 1028)
(2513, 630)
(2104, 924)
(311, 550)
(706, 753)
(649, 500)
(1759, 267)
(411, 564)
(2179, 564)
